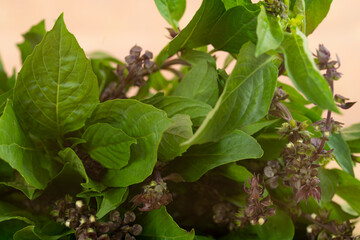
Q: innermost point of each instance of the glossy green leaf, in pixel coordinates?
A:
(268, 31)
(172, 105)
(354, 146)
(171, 10)
(8, 228)
(303, 72)
(17, 150)
(18, 182)
(158, 81)
(177, 133)
(255, 127)
(32, 38)
(195, 34)
(299, 9)
(316, 11)
(200, 83)
(194, 57)
(352, 132)
(10, 212)
(348, 187)
(4, 98)
(197, 237)
(112, 198)
(159, 225)
(108, 145)
(328, 182)
(33, 233)
(294, 95)
(6, 83)
(199, 159)
(279, 226)
(272, 145)
(104, 73)
(104, 56)
(233, 3)
(236, 27)
(245, 99)
(342, 152)
(73, 162)
(138, 120)
(234, 172)
(336, 212)
(56, 89)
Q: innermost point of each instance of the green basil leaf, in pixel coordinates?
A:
(158, 81)
(112, 198)
(245, 99)
(4, 98)
(255, 127)
(33, 233)
(11, 212)
(104, 73)
(18, 182)
(56, 90)
(12, 219)
(336, 212)
(144, 123)
(194, 57)
(236, 27)
(176, 134)
(73, 162)
(316, 11)
(294, 95)
(195, 34)
(304, 73)
(354, 146)
(269, 33)
(17, 150)
(171, 10)
(200, 83)
(352, 132)
(233, 3)
(6, 83)
(172, 105)
(234, 172)
(328, 182)
(32, 38)
(199, 159)
(159, 225)
(279, 226)
(342, 152)
(347, 188)
(108, 145)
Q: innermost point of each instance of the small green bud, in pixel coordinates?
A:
(79, 204)
(92, 218)
(292, 123)
(261, 221)
(67, 223)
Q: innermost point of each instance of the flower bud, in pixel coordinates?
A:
(79, 204)
(129, 217)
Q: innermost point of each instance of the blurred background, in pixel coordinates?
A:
(114, 26)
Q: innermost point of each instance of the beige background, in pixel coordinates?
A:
(116, 25)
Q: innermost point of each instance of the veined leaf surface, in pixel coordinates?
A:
(245, 99)
(56, 90)
(140, 121)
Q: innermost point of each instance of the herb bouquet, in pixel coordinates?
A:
(93, 147)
